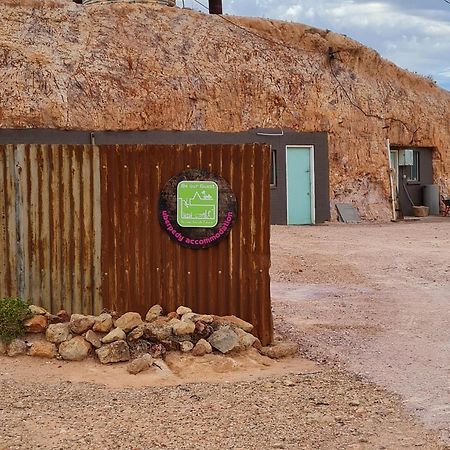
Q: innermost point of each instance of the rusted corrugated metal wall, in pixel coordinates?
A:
(80, 231)
(50, 223)
(143, 266)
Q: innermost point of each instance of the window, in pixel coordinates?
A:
(273, 169)
(413, 173)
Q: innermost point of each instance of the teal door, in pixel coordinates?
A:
(299, 195)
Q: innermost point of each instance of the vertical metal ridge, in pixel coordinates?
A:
(49, 233)
(97, 229)
(76, 225)
(80, 230)
(230, 278)
(4, 231)
(11, 222)
(45, 206)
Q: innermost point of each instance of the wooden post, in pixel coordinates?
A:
(215, 6)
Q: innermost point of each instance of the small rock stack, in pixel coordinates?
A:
(116, 339)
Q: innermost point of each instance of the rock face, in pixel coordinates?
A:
(153, 313)
(135, 334)
(37, 324)
(186, 346)
(79, 324)
(238, 322)
(56, 75)
(181, 328)
(37, 310)
(280, 350)
(103, 323)
(76, 349)
(181, 310)
(117, 351)
(58, 332)
(158, 331)
(201, 348)
(43, 350)
(224, 339)
(128, 321)
(16, 347)
(93, 338)
(245, 340)
(114, 335)
(140, 364)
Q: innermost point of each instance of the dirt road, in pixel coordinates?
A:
(375, 299)
(369, 299)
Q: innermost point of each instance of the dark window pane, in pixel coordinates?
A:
(414, 170)
(273, 169)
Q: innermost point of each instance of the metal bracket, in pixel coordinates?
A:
(271, 134)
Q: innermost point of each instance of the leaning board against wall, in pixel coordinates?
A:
(124, 227)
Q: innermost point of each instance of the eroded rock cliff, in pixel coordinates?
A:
(125, 66)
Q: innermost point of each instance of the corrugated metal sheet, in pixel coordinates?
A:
(50, 226)
(79, 230)
(143, 266)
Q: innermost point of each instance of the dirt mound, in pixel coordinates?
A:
(122, 66)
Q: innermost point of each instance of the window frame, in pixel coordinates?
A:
(413, 173)
(273, 169)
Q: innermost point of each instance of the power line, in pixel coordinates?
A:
(331, 57)
(358, 107)
(226, 19)
(447, 1)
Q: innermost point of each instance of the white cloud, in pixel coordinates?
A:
(414, 34)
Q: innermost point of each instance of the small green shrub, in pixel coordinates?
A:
(13, 311)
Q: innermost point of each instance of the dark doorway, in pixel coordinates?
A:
(413, 172)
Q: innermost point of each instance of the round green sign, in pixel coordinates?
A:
(197, 208)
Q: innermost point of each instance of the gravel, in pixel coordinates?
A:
(327, 410)
(333, 298)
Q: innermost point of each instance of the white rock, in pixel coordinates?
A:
(189, 317)
(181, 310)
(37, 310)
(76, 349)
(186, 346)
(114, 335)
(180, 328)
(103, 323)
(153, 313)
(280, 350)
(58, 332)
(128, 321)
(203, 318)
(140, 364)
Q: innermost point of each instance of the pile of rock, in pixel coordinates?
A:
(114, 338)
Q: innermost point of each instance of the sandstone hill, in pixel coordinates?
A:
(125, 66)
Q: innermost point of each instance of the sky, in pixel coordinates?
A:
(414, 34)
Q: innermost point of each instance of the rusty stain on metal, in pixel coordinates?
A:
(50, 226)
(145, 266)
(79, 230)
